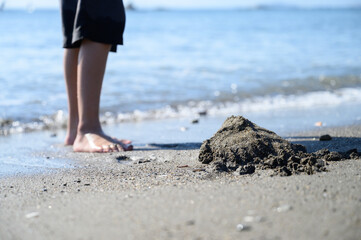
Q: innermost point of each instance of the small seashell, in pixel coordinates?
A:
(32, 215)
(242, 227)
(284, 208)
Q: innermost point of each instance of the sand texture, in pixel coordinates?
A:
(164, 192)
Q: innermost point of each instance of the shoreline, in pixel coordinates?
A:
(163, 194)
(41, 155)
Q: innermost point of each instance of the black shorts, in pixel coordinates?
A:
(97, 20)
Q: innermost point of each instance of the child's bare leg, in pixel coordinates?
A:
(91, 67)
(70, 72)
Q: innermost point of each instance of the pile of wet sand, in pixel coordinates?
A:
(241, 146)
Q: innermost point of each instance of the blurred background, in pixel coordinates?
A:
(286, 65)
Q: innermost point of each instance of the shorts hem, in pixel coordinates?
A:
(77, 42)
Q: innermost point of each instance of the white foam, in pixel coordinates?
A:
(192, 109)
(258, 104)
(294, 102)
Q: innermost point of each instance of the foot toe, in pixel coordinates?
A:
(128, 148)
(123, 141)
(113, 147)
(106, 148)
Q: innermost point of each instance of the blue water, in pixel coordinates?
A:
(285, 69)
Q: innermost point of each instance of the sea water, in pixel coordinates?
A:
(284, 69)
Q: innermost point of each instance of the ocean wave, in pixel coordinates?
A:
(196, 109)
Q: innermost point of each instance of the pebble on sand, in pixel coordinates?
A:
(242, 227)
(251, 219)
(32, 215)
(203, 113)
(284, 208)
(195, 121)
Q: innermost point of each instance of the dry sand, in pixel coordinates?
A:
(165, 194)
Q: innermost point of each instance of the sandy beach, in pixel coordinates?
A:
(291, 67)
(163, 192)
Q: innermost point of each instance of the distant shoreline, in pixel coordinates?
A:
(256, 8)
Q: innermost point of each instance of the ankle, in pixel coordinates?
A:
(88, 128)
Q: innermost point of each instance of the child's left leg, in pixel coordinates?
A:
(84, 72)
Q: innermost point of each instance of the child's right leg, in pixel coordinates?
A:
(70, 73)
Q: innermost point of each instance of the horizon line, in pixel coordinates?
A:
(207, 8)
(134, 7)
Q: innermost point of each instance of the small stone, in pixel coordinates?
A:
(32, 215)
(325, 138)
(140, 161)
(122, 158)
(198, 170)
(190, 222)
(242, 227)
(183, 166)
(195, 121)
(251, 219)
(284, 208)
(320, 163)
(247, 169)
(248, 219)
(203, 113)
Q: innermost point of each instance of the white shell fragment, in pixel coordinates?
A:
(284, 208)
(242, 227)
(32, 215)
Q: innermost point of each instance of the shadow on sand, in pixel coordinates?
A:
(312, 143)
(337, 144)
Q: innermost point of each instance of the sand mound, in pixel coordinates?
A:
(243, 147)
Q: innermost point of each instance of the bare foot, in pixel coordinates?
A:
(99, 142)
(72, 134)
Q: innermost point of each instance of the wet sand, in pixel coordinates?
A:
(163, 192)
